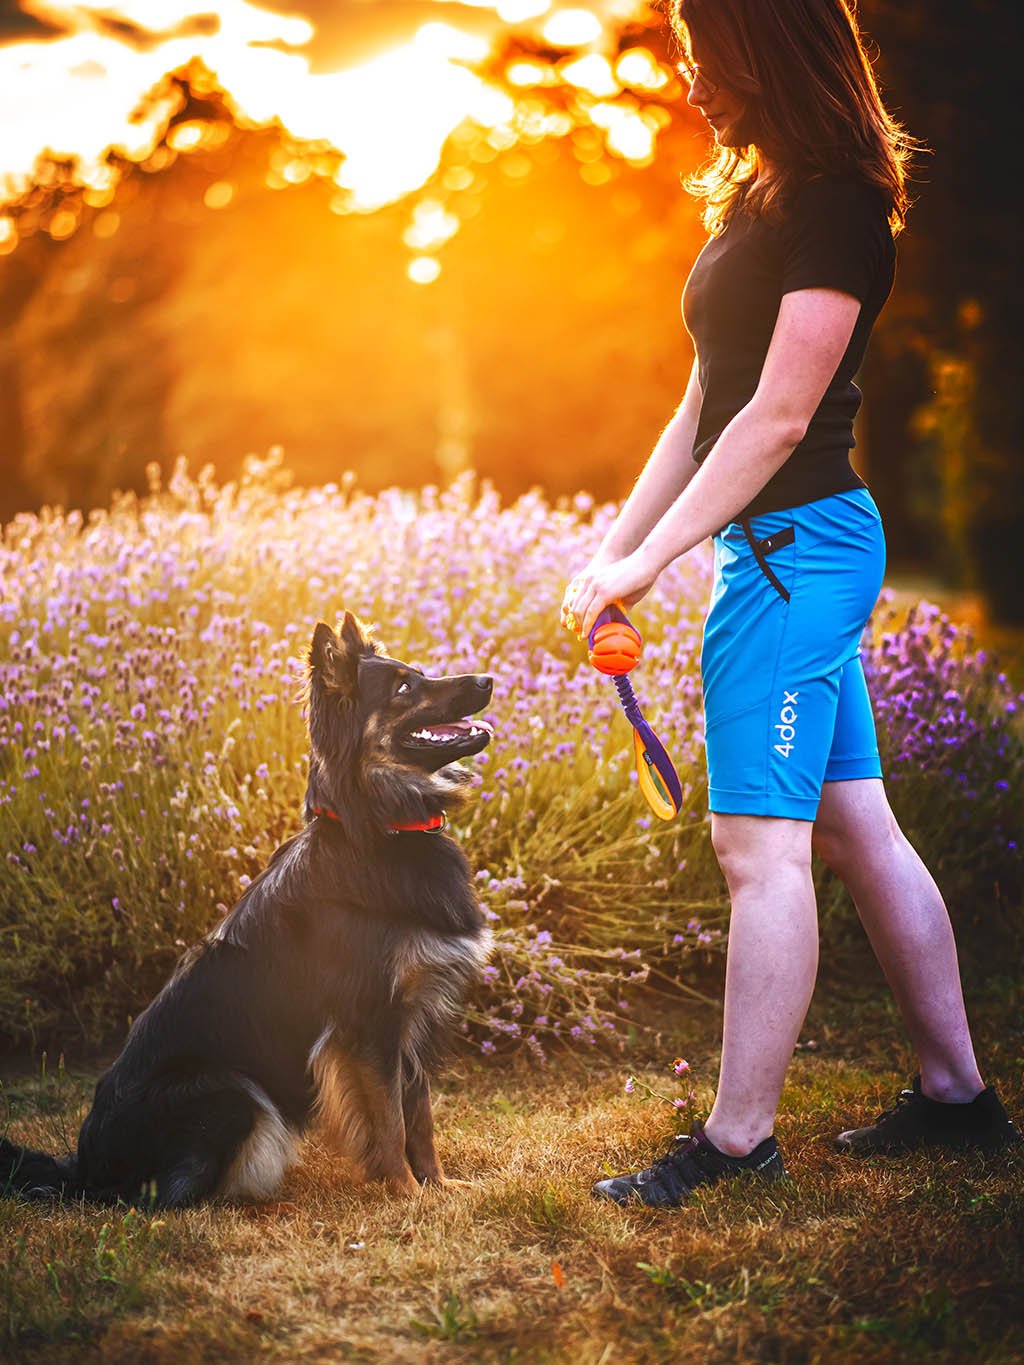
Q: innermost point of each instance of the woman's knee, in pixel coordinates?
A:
(853, 835)
(760, 849)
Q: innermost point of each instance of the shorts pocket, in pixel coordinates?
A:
(765, 546)
(778, 541)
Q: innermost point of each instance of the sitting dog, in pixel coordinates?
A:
(329, 990)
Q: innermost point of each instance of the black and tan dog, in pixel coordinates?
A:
(329, 990)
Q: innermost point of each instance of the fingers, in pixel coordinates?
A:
(570, 612)
(583, 602)
(590, 611)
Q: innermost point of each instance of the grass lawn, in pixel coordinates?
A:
(880, 1260)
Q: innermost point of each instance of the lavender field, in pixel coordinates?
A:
(152, 753)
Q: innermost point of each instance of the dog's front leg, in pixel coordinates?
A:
(385, 1157)
(360, 1105)
(419, 1130)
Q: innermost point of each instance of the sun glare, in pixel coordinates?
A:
(83, 94)
(423, 269)
(572, 28)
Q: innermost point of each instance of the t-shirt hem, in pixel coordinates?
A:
(769, 500)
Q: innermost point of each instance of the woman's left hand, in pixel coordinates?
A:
(623, 580)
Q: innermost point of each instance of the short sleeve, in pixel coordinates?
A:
(835, 236)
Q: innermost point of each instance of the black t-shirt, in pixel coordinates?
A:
(835, 235)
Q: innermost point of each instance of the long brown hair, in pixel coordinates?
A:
(812, 104)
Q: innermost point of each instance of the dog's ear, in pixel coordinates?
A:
(336, 657)
(354, 637)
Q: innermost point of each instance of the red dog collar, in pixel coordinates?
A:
(434, 825)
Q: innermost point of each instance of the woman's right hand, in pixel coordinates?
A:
(567, 615)
(625, 581)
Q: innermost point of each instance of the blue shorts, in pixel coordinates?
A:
(786, 707)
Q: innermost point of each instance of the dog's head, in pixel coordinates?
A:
(383, 733)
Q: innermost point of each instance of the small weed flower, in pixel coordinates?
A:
(680, 1067)
(630, 1086)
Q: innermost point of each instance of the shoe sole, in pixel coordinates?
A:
(964, 1145)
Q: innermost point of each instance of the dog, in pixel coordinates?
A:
(328, 992)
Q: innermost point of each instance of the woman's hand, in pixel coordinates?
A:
(620, 580)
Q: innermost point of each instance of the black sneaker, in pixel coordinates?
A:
(917, 1121)
(689, 1162)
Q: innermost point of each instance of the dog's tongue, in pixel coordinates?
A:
(453, 729)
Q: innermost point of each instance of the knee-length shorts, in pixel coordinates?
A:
(786, 706)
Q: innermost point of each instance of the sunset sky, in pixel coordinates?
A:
(385, 81)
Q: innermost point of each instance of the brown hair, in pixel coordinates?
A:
(812, 104)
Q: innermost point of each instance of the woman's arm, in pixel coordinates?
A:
(812, 332)
(668, 470)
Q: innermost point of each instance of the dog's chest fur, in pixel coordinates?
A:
(432, 973)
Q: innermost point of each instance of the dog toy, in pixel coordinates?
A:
(614, 647)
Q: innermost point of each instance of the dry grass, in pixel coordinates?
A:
(882, 1261)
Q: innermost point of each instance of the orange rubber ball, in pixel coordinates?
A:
(616, 648)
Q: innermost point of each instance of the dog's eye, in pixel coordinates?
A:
(403, 686)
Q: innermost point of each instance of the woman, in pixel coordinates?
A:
(802, 198)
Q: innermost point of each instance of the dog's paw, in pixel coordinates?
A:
(404, 1187)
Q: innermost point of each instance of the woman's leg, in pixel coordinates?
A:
(770, 969)
(907, 924)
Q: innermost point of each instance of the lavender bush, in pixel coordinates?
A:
(151, 756)
(950, 735)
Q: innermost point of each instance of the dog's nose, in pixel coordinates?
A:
(484, 683)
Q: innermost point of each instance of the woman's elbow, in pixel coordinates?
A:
(784, 428)
(792, 432)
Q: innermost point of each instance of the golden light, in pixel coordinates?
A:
(423, 269)
(457, 178)
(640, 70)
(185, 137)
(524, 72)
(390, 118)
(106, 224)
(62, 224)
(592, 73)
(195, 134)
(517, 166)
(219, 194)
(572, 28)
(536, 123)
(599, 173)
(8, 236)
(518, 11)
(451, 43)
(627, 133)
(432, 226)
(98, 195)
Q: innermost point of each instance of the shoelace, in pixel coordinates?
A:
(682, 1147)
(904, 1097)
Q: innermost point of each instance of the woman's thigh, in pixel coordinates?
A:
(792, 593)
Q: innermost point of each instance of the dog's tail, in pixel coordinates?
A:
(34, 1175)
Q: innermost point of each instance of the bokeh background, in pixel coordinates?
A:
(407, 238)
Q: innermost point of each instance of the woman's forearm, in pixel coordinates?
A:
(754, 445)
(667, 472)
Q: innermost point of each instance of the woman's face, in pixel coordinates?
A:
(722, 108)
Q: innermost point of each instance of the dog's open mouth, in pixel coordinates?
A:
(460, 737)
